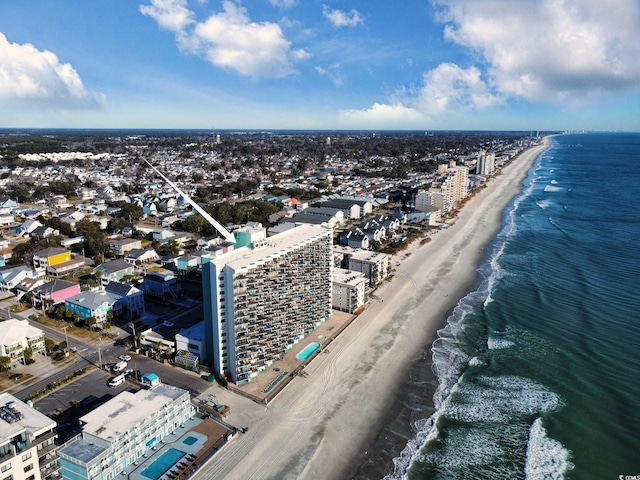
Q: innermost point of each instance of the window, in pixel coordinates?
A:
(26, 456)
(28, 467)
(30, 477)
(5, 467)
(10, 477)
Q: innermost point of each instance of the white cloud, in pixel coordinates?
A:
(550, 49)
(29, 74)
(333, 73)
(283, 3)
(229, 39)
(382, 116)
(451, 88)
(339, 18)
(172, 15)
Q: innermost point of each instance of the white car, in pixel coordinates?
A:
(124, 358)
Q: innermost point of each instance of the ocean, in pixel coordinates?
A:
(537, 367)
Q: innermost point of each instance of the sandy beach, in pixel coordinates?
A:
(320, 425)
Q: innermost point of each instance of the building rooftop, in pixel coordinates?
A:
(272, 247)
(26, 418)
(126, 410)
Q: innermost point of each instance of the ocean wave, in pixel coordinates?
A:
(551, 188)
(546, 458)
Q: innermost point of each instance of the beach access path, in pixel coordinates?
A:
(319, 426)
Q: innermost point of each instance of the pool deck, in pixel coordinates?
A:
(323, 334)
(210, 437)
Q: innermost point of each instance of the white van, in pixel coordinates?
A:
(118, 367)
(115, 381)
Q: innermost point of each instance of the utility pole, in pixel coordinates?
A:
(66, 354)
(99, 355)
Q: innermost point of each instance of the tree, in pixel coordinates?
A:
(90, 322)
(5, 362)
(49, 345)
(28, 355)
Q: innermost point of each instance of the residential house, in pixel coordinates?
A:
(131, 298)
(114, 270)
(49, 257)
(87, 193)
(55, 291)
(160, 285)
(66, 268)
(187, 262)
(123, 246)
(6, 219)
(43, 232)
(354, 237)
(207, 242)
(11, 277)
(92, 304)
(16, 336)
(139, 256)
(27, 285)
(8, 205)
(27, 227)
(6, 251)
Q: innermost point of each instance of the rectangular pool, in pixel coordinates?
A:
(163, 463)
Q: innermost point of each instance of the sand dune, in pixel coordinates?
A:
(317, 427)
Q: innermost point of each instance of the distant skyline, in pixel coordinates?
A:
(331, 64)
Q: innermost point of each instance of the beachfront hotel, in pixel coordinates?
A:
(27, 441)
(260, 300)
(118, 435)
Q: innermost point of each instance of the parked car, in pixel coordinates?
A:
(124, 357)
(118, 367)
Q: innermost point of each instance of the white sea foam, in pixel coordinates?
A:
(551, 188)
(476, 362)
(450, 360)
(499, 343)
(554, 182)
(544, 204)
(546, 459)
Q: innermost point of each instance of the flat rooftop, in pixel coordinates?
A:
(120, 414)
(32, 420)
(274, 246)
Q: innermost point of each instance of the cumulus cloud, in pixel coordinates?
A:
(451, 88)
(382, 116)
(340, 18)
(172, 15)
(445, 90)
(550, 49)
(229, 39)
(29, 74)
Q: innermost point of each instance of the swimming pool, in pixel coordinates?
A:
(163, 463)
(189, 440)
(307, 351)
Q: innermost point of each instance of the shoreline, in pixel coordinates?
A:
(325, 424)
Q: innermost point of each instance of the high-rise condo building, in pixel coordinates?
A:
(261, 300)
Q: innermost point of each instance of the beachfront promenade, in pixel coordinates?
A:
(320, 425)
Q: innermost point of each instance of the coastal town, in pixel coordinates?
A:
(108, 272)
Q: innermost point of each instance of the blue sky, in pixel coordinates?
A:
(325, 64)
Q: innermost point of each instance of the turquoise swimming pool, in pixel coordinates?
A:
(163, 463)
(307, 351)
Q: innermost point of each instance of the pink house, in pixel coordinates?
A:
(56, 290)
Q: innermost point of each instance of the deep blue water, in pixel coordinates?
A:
(539, 366)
